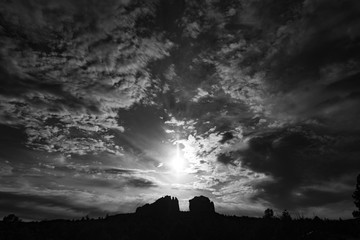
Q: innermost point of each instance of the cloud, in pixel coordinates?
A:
(312, 52)
(298, 159)
(72, 82)
(117, 178)
(62, 204)
(224, 158)
(58, 187)
(47, 207)
(226, 136)
(283, 70)
(141, 183)
(117, 171)
(262, 96)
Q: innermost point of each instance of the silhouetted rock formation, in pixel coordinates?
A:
(201, 204)
(163, 206)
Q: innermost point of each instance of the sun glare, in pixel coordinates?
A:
(177, 163)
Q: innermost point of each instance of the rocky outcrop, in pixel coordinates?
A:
(163, 206)
(201, 204)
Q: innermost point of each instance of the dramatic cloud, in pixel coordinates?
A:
(305, 164)
(257, 101)
(66, 76)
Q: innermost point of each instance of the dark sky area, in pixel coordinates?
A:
(106, 105)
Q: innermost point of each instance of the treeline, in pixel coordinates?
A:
(182, 226)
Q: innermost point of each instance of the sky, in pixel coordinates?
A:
(108, 105)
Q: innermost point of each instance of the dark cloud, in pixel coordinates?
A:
(123, 178)
(348, 84)
(311, 55)
(33, 207)
(118, 171)
(117, 184)
(300, 158)
(141, 183)
(320, 37)
(226, 136)
(318, 197)
(11, 137)
(145, 126)
(225, 158)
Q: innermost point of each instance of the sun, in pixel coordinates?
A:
(177, 162)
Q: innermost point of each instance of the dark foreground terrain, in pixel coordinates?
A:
(184, 225)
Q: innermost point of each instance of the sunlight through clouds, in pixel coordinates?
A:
(122, 102)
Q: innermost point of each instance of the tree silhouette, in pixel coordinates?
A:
(286, 216)
(356, 197)
(268, 213)
(11, 218)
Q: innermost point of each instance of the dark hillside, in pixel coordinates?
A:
(183, 225)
